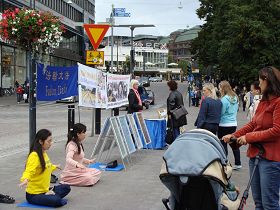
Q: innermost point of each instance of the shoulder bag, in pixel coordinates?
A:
(179, 112)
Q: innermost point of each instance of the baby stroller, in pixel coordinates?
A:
(197, 173)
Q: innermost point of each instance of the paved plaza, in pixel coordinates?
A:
(137, 188)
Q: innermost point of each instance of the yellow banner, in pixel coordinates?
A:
(95, 57)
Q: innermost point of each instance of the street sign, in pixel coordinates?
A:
(95, 57)
(96, 33)
(120, 12)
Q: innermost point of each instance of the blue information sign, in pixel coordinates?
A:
(120, 12)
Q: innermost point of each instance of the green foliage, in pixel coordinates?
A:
(126, 65)
(239, 36)
(183, 64)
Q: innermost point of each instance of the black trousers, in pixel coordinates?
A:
(212, 127)
(222, 131)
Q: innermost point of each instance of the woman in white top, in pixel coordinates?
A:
(256, 91)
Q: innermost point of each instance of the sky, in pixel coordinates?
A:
(164, 14)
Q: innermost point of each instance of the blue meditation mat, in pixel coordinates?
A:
(29, 205)
(97, 166)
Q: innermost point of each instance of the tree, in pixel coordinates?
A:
(126, 65)
(239, 36)
(183, 64)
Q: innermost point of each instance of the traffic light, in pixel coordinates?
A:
(189, 69)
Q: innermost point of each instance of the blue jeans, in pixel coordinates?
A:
(266, 184)
(50, 200)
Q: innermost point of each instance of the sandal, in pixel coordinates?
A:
(6, 199)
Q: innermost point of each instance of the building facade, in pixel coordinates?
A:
(151, 53)
(180, 43)
(14, 64)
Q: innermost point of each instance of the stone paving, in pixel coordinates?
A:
(137, 188)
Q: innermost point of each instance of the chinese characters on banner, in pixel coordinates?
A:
(117, 90)
(92, 87)
(54, 83)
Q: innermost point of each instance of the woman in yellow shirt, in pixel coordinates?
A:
(37, 174)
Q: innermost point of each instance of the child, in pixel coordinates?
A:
(75, 172)
(37, 174)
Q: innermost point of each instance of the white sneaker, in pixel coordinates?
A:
(236, 167)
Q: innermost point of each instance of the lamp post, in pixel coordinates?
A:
(32, 86)
(132, 53)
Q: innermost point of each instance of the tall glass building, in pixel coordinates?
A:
(14, 64)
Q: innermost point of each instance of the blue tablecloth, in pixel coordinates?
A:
(157, 131)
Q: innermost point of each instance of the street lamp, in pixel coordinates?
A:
(132, 53)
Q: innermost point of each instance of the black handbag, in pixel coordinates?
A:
(179, 112)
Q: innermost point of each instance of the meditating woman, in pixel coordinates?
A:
(75, 171)
(37, 174)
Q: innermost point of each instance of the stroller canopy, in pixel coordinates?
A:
(193, 158)
(192, 152)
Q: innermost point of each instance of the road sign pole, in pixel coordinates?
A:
(132, 53)
(112, 39)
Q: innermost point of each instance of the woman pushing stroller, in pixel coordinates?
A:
(264, 129)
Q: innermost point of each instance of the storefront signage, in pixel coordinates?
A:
(150, 45)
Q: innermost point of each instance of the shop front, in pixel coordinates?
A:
(13, 66)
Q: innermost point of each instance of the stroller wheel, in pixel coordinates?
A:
(165, 202)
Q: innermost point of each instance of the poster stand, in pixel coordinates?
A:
(142, 128)
(123, 132)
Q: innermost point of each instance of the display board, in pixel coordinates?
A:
(117, 90)
(92, 87)
(119, 137)
(143, 127)
(134, 131)
(103, 142)
(126, 134)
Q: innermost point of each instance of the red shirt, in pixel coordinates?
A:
(265, 129)
(19, 90)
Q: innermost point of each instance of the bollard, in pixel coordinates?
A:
(71, 116)
(116, 111)
(97, 120)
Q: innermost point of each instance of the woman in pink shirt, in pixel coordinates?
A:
(75, 172)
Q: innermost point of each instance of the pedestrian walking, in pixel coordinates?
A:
(175, 100)
(256, 91)
(37, 174)
(264, 129)
(75, 171)
(134, 99)
(243, 93)
(228, 122)
(210, 111)
(19, 92)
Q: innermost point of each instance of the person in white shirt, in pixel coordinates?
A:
(256, 91)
